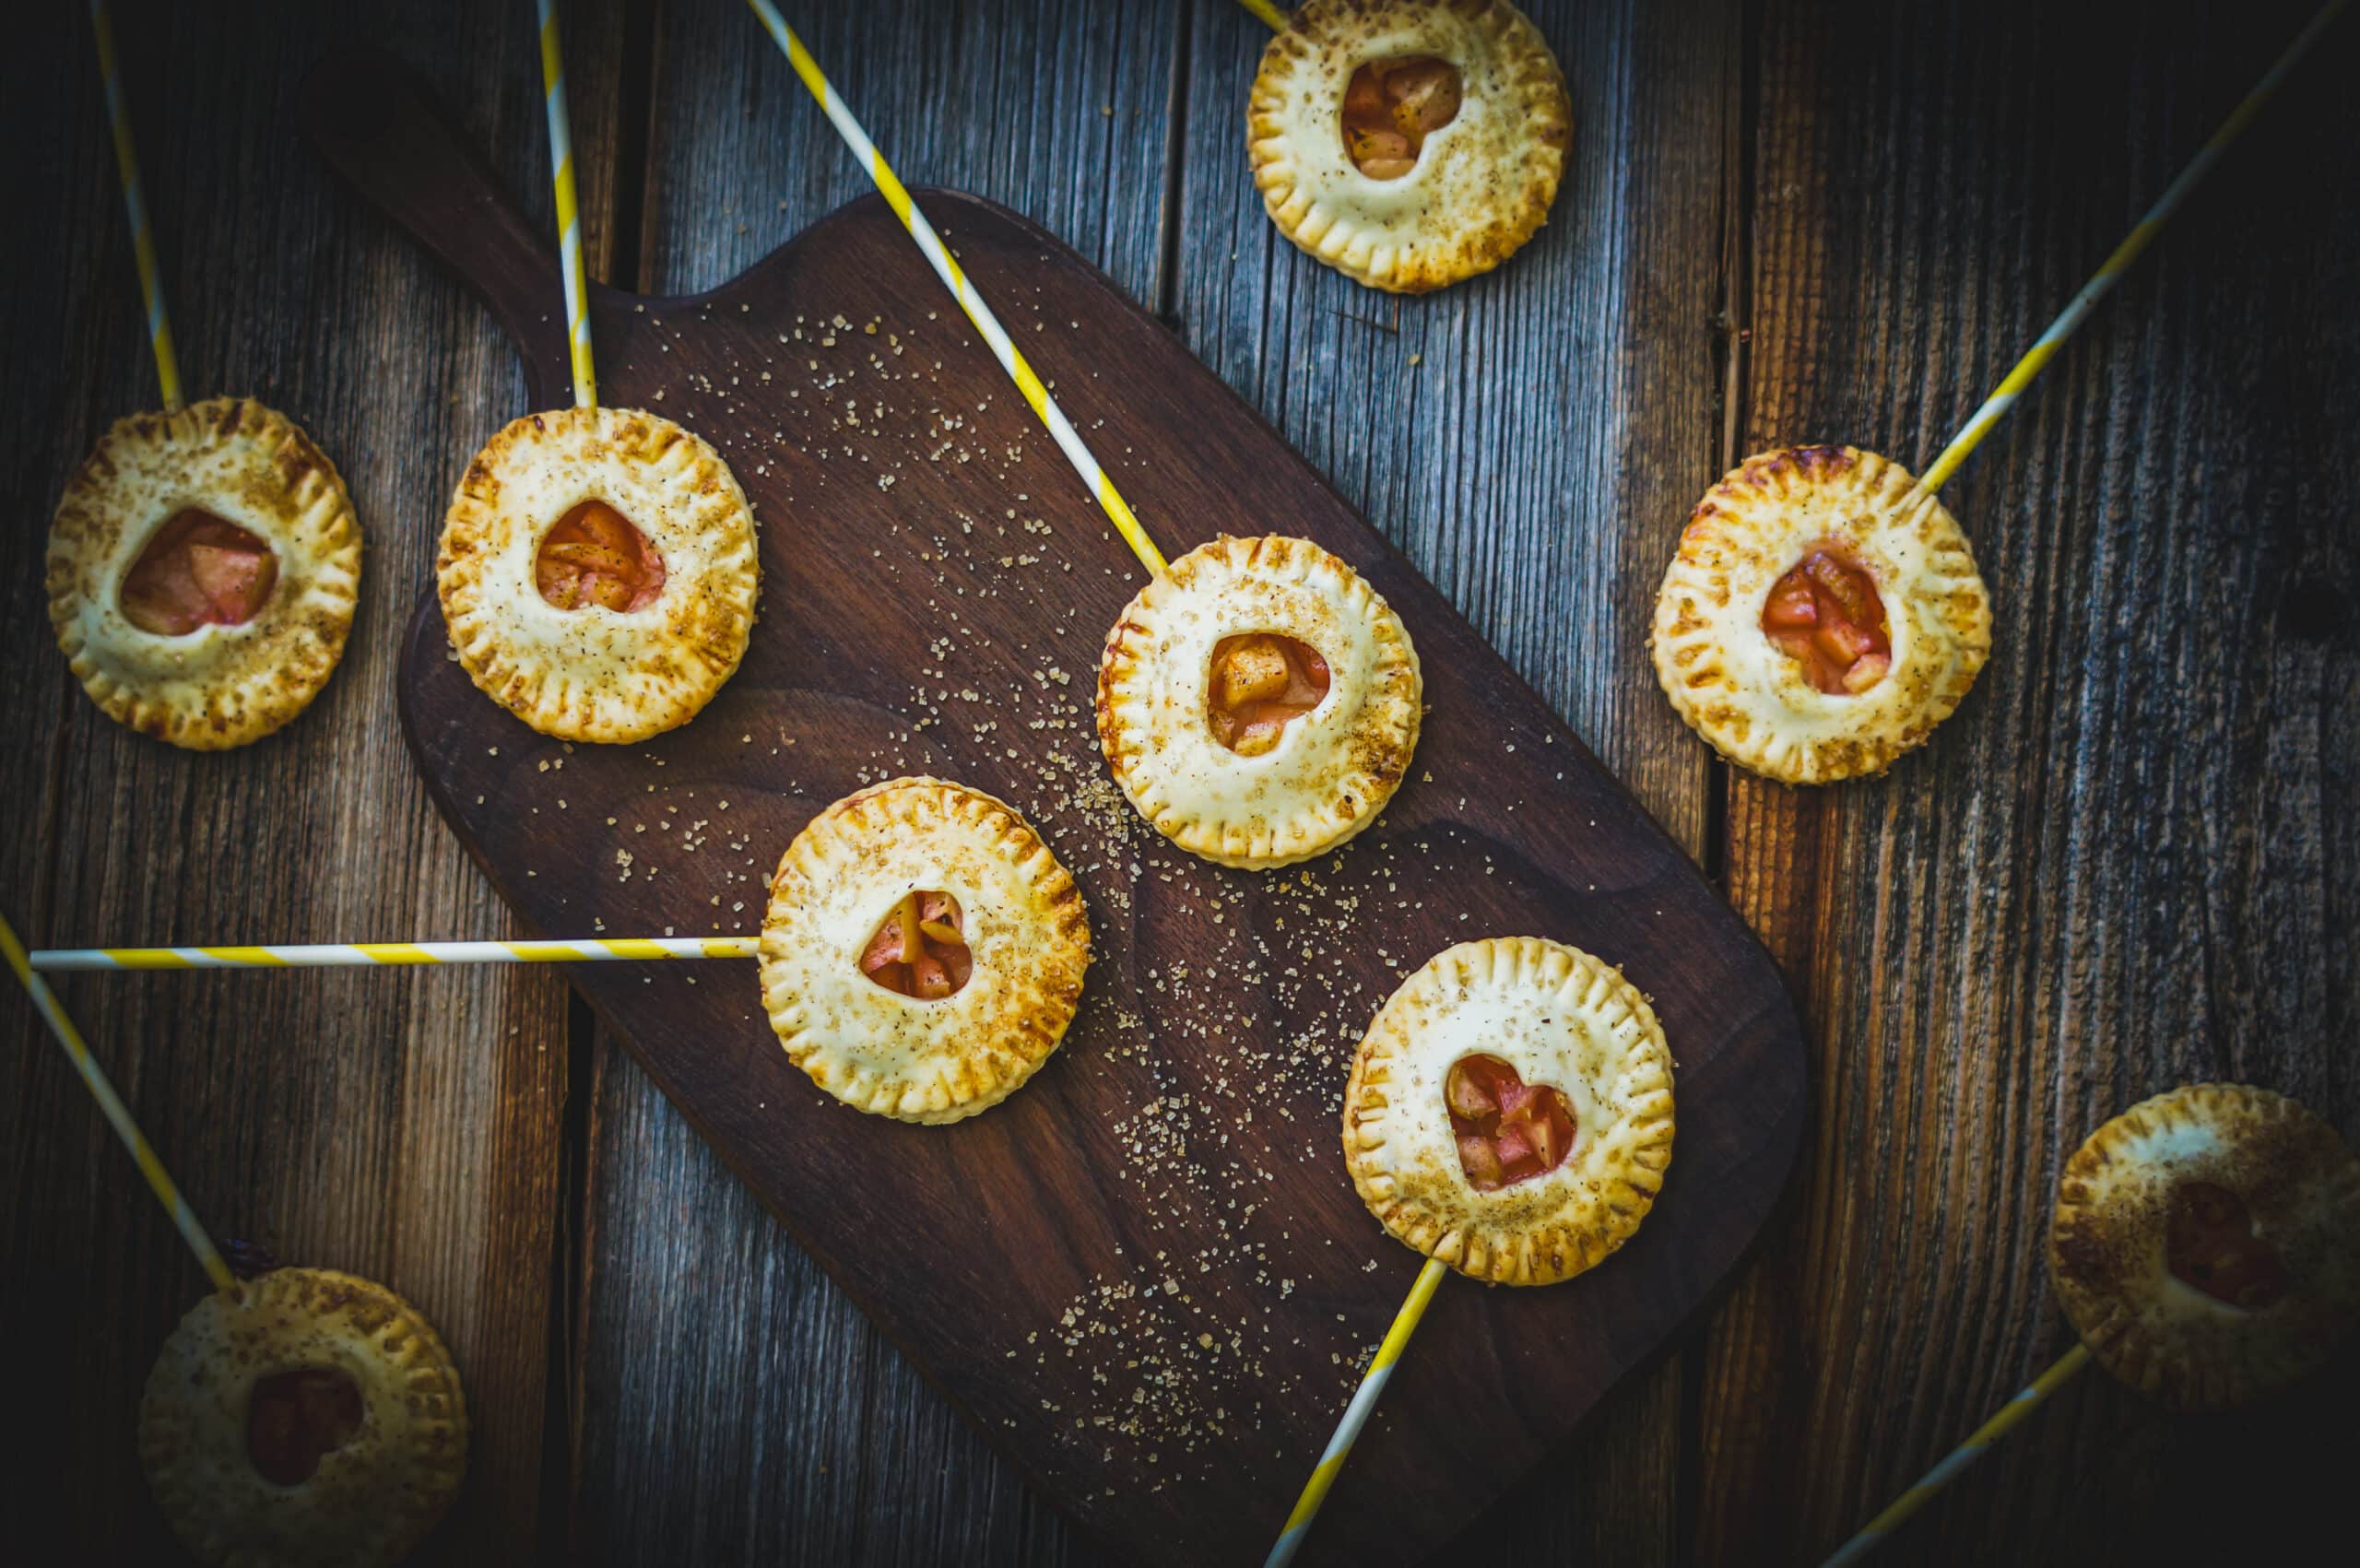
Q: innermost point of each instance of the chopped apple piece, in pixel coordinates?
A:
(1866, 671)
(2210, 1245)
(1466, 1096)
(199, 570)
(294, 1417)
(1825, 614)
(1260, 682)
(1424, 94)
(236, 582)
(1391, 107)
(918, 950)
(595, 556)
(1480, 1163)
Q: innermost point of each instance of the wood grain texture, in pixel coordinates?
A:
(839, 1453)
(1517, 437)
(401, 1126)
(2127, 862)
(1130, 1230)
(2079, 893)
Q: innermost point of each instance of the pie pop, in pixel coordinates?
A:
(304, 1416)
(597, 571)
(1253, 745)
(1408, 144)
(1822, 613)
(204, 562)
(2205, 1247)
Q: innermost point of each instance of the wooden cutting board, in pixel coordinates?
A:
(1146, 1276)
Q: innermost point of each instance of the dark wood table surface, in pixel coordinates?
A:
(2129, 862)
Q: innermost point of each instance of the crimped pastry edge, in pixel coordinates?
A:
(1000, 1043)
(1160, 747)
(1312, 192)
(219, 687)
(1748, 699)
(1554, 1227)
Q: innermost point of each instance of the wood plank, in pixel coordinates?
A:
(402, 1125)
(2126, 862)
(838, 1452)
(1518, 437)
(1549, 842)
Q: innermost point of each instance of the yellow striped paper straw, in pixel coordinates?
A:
(1270, 16)
(955, 279)
(569, 211)
(340, 955)
(2067, 320)
(1960, 1457)
(1356, 1414)
(135, 201)
(159, 1181)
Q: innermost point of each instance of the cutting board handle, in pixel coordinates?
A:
(369, 116)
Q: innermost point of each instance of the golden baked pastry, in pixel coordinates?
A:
(315, 1419)
(1259, 704)
(922, 951)
(1409, 142)
(2207, 1243)
(203, 569)
(1510, 1111)
(1822, 615)
(597, 573)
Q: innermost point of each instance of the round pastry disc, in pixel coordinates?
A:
(1821, 615)
(1510, 1111)
(923, 951)
(2206, 1244)
(1408, 144)
(315, 1419)
(1189, 658)
(597, 573)
(203, 569)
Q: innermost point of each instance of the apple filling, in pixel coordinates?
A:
(199, 571)
(920, 950)
(2209, 1243)
(1261, 682)
(293, 1418)
(1508, 1130)
(1825, 612)
(1391, 107)
(594, 556)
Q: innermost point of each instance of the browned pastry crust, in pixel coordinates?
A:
(1334, 769)
(218, 686)
(1561, 1019)
(1749, 699)
(370, 1500)
(591, 673)
(1028, 933)
(1483, 182)
(2109, 1246)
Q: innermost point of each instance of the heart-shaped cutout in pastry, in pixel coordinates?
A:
(199, 570)
(596, 556)
(293, 1418)
(1508, 1130)
(2209, 1244)
(1826, 614)
(1391, 106)
(1262, 682)
(921, 948)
